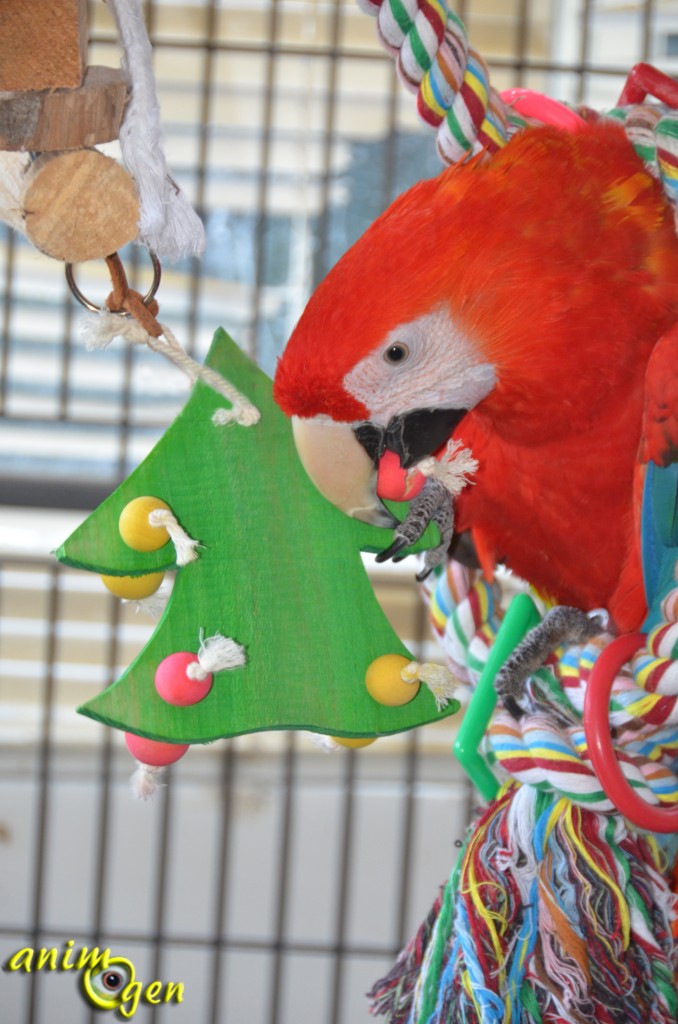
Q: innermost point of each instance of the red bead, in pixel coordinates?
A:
(154, 752)
(175, 686)
(391, 479)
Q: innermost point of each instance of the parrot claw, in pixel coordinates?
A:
(433, 504)
(559, 625)
(393, 550)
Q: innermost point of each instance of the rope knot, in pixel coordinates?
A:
(451, 80)
(185, 546)
(439, 679)
(216, 654)
(124, 299)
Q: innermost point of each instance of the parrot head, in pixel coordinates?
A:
(378, 361)
(505, 289)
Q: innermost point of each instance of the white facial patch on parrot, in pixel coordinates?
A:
(423, 364)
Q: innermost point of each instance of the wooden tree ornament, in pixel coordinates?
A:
(278, 571)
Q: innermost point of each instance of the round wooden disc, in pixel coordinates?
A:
(79, 205)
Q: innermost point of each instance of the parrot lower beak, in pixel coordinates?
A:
(341, 469)
(411, 435)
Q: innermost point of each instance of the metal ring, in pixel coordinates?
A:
(147, 299)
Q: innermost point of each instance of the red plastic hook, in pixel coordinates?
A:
(644, 79)
(599, 742)
(542, 108)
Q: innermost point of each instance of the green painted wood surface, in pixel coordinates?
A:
(279, 571)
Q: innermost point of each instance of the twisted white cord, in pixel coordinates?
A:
(168, 225)
(100, 328)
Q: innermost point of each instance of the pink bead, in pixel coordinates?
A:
(154, 752)
(175, 686)
(391, 479)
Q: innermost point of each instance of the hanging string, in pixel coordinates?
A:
(168, 225)
(128, 315)
(145, 781)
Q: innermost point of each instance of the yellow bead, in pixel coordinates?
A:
(135, 529)
(354, 742)
(134, 588)
(383, 681)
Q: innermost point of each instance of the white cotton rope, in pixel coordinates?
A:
(145, 781)
(168, 225)
(216, 654)
(324, 743)
(453, 469)
(439, 679)
(13, 167)
(184, 545)
(153, 605)
(99, 329)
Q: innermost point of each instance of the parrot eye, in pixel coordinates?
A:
(397, 353)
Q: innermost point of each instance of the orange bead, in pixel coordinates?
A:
(384, 683)
(135, 529)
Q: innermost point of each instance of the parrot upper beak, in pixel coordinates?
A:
(342, 460)
(411, 435)
(340, 468)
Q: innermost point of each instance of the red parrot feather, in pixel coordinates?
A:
(535, 289)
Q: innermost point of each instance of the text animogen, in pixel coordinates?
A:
(108, 982)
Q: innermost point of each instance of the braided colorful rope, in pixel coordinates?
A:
(557, 911)
(454, 96)
(450, 79)
(547, 748)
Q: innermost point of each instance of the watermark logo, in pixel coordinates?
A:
(107, 982)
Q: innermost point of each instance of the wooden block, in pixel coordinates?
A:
(43, 44)
(79, 206)
(66, 118)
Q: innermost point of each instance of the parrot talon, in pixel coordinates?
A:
(443, 516)
(433, 504)
(423, 575)
(393, 549)
(559, 625)
(513, 707)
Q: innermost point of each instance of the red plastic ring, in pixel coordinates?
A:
(601, 751)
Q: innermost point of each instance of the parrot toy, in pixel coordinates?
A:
(523, 307)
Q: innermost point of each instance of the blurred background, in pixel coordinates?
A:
(275, 880)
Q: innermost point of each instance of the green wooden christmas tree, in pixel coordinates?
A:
(278, 571)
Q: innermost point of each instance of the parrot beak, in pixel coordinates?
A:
(340, 468)
(411, 435)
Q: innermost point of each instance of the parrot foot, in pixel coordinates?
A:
(433, 504)
(559, 625)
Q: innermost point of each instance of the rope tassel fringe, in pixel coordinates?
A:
(217, 653)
